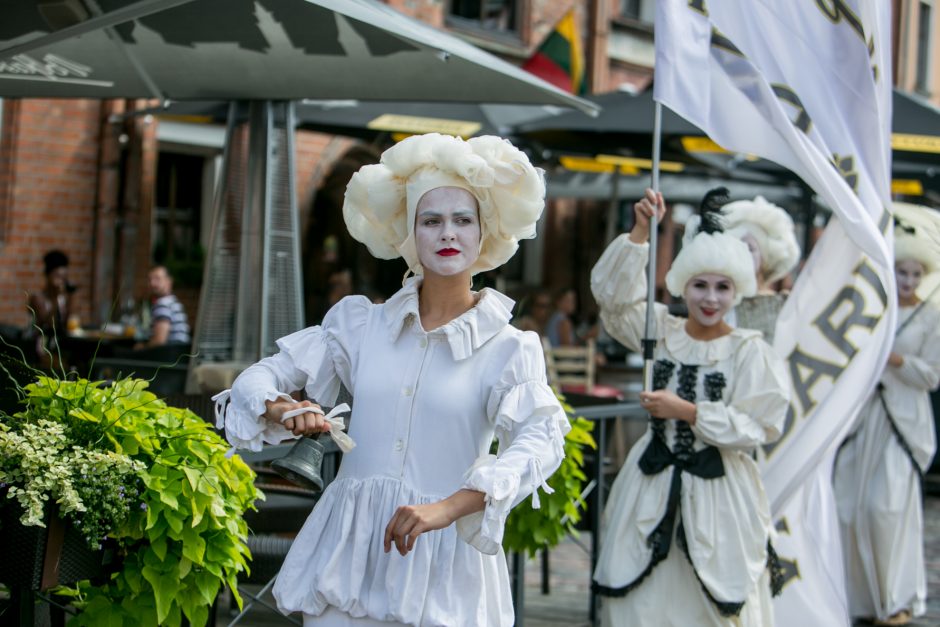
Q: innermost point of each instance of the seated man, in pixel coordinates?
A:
(168, 323)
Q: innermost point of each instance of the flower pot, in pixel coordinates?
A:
(39, 558)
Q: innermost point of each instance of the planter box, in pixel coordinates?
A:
(37, 558)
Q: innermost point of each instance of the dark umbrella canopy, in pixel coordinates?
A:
(250, 49)
(369, 120)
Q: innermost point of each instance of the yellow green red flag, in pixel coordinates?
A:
(560, 58)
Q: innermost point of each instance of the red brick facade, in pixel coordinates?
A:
(70, 179)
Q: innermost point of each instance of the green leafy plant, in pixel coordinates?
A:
(529, 530)
(185, 537)
(95, 490)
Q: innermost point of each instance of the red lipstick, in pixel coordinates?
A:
(448, 252)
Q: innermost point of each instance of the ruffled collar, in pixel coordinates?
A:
(688, 350)
(465, 333)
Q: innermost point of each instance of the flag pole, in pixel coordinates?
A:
(649, 340)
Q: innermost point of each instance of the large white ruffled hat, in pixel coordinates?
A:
(707, 249)
(911, 244)
(770, 226)
(381, 199)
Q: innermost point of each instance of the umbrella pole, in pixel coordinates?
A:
(649, 339)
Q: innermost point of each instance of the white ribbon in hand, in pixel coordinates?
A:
(336, 422)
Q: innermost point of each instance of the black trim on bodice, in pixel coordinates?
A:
(705, 463)
(897, 433)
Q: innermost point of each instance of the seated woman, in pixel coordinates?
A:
(434, 371)
(687, 522)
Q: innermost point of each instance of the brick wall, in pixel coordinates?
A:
(48, 159)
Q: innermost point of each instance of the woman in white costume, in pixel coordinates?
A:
(771, 239)
(410, 530)
(877, 476)
(686, 525)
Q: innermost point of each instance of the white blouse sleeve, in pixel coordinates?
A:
(921, 370)
(530, 428)
(618, 282)
(316, 359)
(757, 404)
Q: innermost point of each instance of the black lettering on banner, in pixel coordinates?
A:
(845, 166)
(838, 334)
(868, 273)
(817, 368)
(723, 43)
(884, 221)
(791, 567)
(699, 5)
(784, 93)
(837, 10)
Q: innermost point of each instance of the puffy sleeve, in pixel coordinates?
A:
(756, 406)
(530, 428)
(317, 359)
(921, 370)
(618, 282)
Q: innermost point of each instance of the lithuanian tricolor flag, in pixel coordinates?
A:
(560, 58)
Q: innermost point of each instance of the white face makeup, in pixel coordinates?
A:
(754, 249)
(447, 231)
(908, 274)
(709, 297)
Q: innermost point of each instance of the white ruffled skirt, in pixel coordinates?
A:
(338, 561)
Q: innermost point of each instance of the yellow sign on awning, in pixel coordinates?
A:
(915, 143)
(418, 125)
(907, 187)
(645, 164)
(701, 144)
(587, 164)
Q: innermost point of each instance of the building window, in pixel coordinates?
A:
(178, 215)
(500, 16)
(637, 10)
(925, 15)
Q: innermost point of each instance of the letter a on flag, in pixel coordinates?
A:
(807, 85)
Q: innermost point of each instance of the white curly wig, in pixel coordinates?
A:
(770, 226)
(913, 247)
(707, 249)
(381, 199)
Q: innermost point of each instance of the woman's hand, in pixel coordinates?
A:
(410, 521)
(896, 360)
(643, 210)
(303, 424)
(665, 404)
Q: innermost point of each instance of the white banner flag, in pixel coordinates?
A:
(807, 85)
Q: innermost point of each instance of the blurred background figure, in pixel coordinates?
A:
(537, 312)
(168, 322)
(50, 308)
(560, 327)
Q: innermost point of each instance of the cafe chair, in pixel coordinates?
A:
(572, 370)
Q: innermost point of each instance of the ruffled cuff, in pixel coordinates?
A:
(484, 530)
(244, 424)
(529, 400)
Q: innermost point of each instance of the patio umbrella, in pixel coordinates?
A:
(249, 49)
(370, 119)
(245, 50)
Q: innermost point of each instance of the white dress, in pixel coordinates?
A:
(425, 409)
(876, 478)
(690, 547)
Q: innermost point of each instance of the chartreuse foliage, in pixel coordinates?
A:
(186, 537)
(530, 530)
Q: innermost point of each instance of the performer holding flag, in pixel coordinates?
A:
(878, 469)
(687, 522)
(806, 85)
